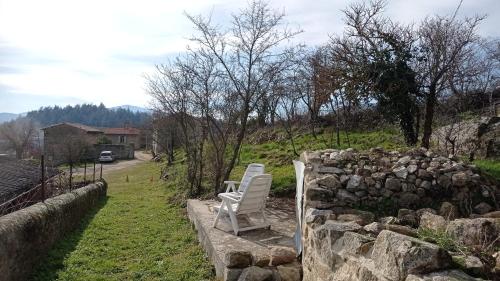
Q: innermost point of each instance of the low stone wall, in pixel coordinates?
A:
(390, 180)
(26, 235)
(428, 194)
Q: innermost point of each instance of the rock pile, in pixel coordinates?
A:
(395, 180)
(348, 244)
(445, 222)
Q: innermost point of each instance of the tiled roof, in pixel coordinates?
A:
(121, 131)
(76, 125)
(18, 176)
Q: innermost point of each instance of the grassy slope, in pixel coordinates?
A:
(135, 235)
(278, 156)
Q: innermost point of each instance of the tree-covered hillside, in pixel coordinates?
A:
(89, 114)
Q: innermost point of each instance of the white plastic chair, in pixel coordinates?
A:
(252, 170)
(252, 200)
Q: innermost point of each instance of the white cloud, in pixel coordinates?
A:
(98, 50)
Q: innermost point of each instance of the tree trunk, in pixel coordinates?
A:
(429, 116)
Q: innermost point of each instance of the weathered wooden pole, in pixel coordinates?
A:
(42, 164)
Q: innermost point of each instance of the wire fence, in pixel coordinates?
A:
(62, 182)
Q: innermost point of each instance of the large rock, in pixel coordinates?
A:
(474, 232)
(400, 172)
(460, 179)
(398, 255)
(355, 183)
(255, 273)
(281, 255)
(353, 243)
(483, 208)
(374, 228)
(409, 200)
(318, 194)
(347, 197)
(318, 216)
(358, 218)
(433, 222)
(329, 181)
(238, 259)
(290, 272)
(408, 217)
(393, 184)
(448, 211)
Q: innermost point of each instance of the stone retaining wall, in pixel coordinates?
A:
(427, 192)
(26, 235)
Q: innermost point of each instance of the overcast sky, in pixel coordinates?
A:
(68, 52)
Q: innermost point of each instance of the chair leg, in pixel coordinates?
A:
(234, 220)
(266, 222)
(219, 214)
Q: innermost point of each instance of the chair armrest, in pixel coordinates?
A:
(228, 197)
(231, 186)
(228, 182)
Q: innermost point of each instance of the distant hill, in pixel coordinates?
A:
(91, 115)
(132, 108)
(5, 116)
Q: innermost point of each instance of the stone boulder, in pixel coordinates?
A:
(329, 181)
(290, 272)
(398, 255)
(254, 273)
(317, 216)
(433, 222)
(474, 232)
(281, 255)
(448, 211)
(238, 259)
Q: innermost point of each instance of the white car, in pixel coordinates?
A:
(106, 156)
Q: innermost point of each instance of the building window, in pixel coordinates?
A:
(122, 139)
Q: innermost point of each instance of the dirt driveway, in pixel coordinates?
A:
(116, 165)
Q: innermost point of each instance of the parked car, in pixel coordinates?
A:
(106, 156)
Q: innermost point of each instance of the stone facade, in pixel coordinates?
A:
(26, 235)
(428, 193)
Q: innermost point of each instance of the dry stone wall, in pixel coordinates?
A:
(26, 235)
(380, 179)
(347, 236)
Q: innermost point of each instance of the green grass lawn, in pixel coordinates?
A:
(491, 167)
(135, 234)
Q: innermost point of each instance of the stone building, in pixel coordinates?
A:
(125, 135)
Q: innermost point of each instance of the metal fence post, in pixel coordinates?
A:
(85, 172)
(42, 164)
(70, 176)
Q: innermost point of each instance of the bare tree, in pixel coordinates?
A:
(249, 55)
(20, 134)
(444, 44)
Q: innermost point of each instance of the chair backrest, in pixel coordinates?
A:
(254, 197)
(252, 170)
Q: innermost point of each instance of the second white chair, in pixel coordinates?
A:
(252, 200)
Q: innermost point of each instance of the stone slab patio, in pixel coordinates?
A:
(221, 240)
